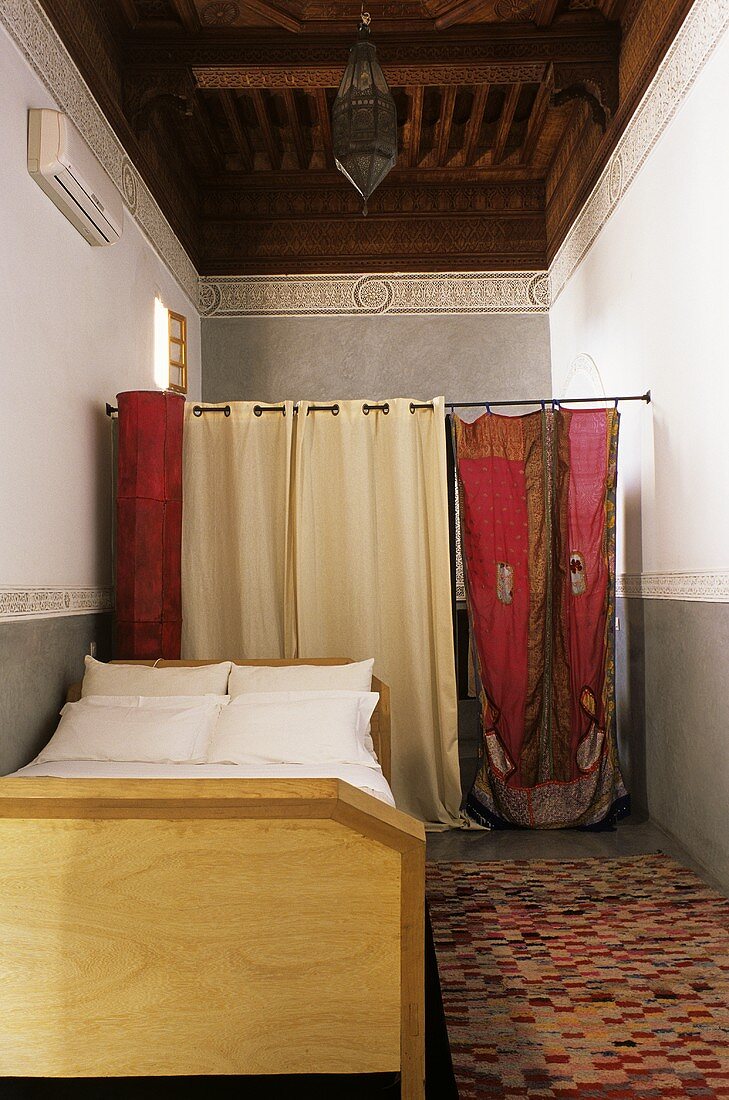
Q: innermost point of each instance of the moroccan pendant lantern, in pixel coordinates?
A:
(364, 118)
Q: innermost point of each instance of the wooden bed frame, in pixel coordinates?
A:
(195, 927)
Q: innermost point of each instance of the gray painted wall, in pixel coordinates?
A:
(494, 356)
(687, 726)
(673, 721)
(39, 659)
(630, 700)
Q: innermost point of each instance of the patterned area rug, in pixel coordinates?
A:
(597, 979)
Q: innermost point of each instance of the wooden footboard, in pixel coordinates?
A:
(209, 927)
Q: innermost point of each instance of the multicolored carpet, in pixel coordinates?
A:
(594, 979)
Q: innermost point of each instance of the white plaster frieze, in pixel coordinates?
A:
(369, 295)
(51, 601)
(690, 587)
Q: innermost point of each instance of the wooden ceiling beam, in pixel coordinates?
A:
(230, 110)
(412, 144)
(445, 124)
(500, 54)
(296, 129)
(545, 13)
(536, 122)
(276, 15)
(187, 14)
(612, 9)
(434, 74)
(273, 150)
(505, 122)
(130, 13)
(208, 130)
(460, 12)
(473, 127)
(325, 125)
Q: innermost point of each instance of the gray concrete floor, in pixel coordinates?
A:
(634, 836)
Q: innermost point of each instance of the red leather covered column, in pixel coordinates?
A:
(149, 525)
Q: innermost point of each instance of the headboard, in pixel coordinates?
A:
(380, 719)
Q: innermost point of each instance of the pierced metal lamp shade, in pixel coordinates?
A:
(364, 119)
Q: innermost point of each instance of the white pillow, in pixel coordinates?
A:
(260, 678)
(150, 702)
(309, 727)
(152, 730)
(356, 676)
(144, 680)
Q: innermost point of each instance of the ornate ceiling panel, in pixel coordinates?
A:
(507, 111)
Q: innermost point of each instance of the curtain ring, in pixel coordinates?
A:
(196, 410)
(412, 408)
(226, 410)
(335, 410)
(366, 409)
(616, 403)
(544, 406)
(257, 410)
(488, 409)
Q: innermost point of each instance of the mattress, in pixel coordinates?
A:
(368, 779)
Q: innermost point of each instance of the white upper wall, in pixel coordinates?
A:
(649, 304)
(76, 328)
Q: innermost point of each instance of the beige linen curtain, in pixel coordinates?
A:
(372, 577)
(327, 536)
(235, 533)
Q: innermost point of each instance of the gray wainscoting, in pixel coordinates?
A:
(39, 658)
(687, 725)
(630, 700)
(467, 358)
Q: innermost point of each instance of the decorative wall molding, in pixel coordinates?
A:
(691, 587)
(583, 369)
(40, 45)
(367, 295)
(696, 41)
(50, 601)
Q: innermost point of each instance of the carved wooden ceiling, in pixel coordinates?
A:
(507, 112)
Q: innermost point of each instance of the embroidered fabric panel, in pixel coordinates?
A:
(537, 504)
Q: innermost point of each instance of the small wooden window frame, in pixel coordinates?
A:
(178, 363)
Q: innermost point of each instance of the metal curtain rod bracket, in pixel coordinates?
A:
(543, 401)
(198, 410)
(111, 409)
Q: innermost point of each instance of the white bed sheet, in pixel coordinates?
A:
(368, 779)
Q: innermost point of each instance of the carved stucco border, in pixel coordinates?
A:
(40, 45)
(694, 44)
(689, 587)
(17, 604)
(370, 295)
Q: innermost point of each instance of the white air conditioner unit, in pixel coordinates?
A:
(60, 162)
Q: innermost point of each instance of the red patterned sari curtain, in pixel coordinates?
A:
(537, 499)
